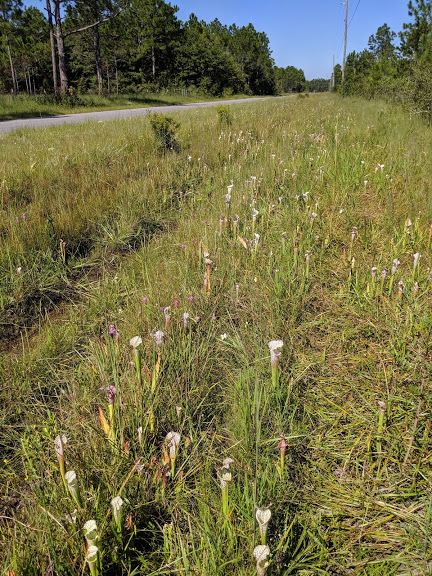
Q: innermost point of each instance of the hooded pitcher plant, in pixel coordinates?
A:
(173, 440)
(384, 273)
(225, 476)
(185, 317)
(308, 257)
(158, 337)
(254, 219)
(92, 559)
(117, 504)
(263, 516)
(417, 257)
(136, 342)
(282, 445)
(72, 484)
(108, 425)
(59, 444)
(91, 533)
(395, 265)
(275, 347)
(207, 287)
(92, 537)
(228, 201)
(167, 314)
(353, 237)
(261, 553)
(205, 252)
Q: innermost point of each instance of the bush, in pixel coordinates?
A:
(70, 99)
(165, 131)
(418, 92)
(224, 115)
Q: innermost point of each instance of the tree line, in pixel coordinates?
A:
(394, 66)
(113, 46)
(119, 45)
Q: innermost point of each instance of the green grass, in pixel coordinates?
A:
(22, 106)
(353, 495)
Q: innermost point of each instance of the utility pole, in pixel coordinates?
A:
(345, 41)
(333, 74)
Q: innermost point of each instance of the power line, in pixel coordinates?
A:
(339, 33)
(349, 23)
(339, 28)
(341, 40)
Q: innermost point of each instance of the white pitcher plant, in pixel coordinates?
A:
(261, 553)
(263, 516)
(72, 484)
(275, 347)
(59, 444)
(136, 342)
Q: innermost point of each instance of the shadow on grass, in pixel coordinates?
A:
(83, 108)
(153, 101)
(5, 116)
(27, 311)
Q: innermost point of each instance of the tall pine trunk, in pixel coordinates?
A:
(28, 88)
(64, 83)
(53, 50)
(12, 67)
(153, 55)
(98, 60)
(116, 75)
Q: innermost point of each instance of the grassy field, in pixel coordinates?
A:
(22, 106)
(305, 221)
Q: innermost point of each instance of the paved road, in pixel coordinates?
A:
(10, 125)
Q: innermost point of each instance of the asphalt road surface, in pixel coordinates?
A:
(10, 125)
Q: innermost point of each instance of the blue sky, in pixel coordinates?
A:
(303, 33)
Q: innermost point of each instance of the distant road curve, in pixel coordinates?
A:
(10, 125)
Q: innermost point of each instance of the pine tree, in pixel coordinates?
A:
(416, 36)
(8, 9)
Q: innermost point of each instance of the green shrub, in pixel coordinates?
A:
(165, 131)
(418, 92)
(224, 115)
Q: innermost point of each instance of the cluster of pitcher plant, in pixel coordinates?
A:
(381, 282)
(163, 472)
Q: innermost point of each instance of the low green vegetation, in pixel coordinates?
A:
(23, 106)
(216, 359)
